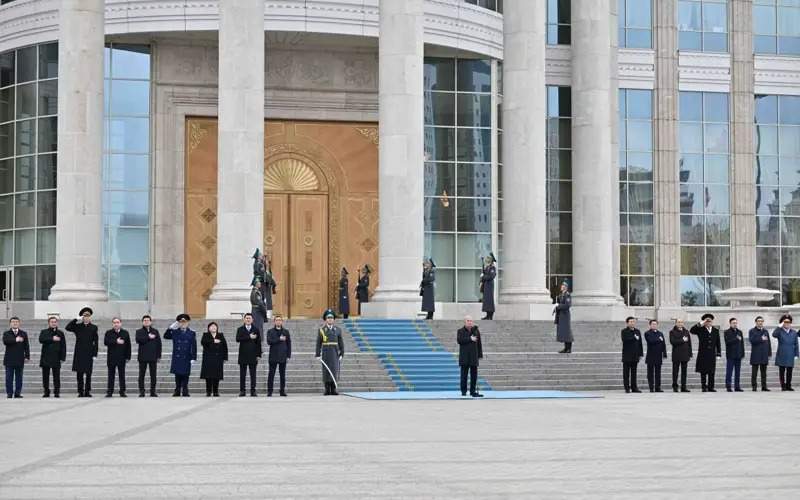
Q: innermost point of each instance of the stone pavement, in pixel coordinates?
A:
(622, 446)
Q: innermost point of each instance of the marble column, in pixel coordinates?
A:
(595, 212)
(666, 182)
(240, 191)
(80, 155)
(524, 294)
(743, 210)
(401, 161)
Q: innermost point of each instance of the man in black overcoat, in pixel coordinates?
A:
(709, 349)
(656, 354)
(734, 353)
(149, 354)
(86, 345)
(760, 352)
(632, 352)
(18, 351)
(280, 350)
(249, 339)
(118, 342)
(470, 351)
(54, 352)
(681, 354)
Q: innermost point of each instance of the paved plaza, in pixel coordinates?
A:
(621, 446)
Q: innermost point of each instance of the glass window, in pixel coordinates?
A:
(7, 68)
(24, 246)
(440, 108)
(635, 23)
(46, 246)
(439, 74)
(48, 61)
(48, 98)
(26, 64)
(26, 101)
(48, 134)
(703, 25)
(776, 27)
(559, 187)
(558, 22)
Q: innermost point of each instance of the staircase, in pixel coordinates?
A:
(409, 352)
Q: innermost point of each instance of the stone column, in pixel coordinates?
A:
(595, 213)
(240, 191)
(666, 182)
(80, 155)
(401, 161)
(743, 210)
(524, 295)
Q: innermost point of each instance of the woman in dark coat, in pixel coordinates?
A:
(562, 319)
(760, 352)
(362, 287)
(427, 287)
(787, 351)
(344, 290)
(87, 342)
(184, 353)
(488, 274)
(215, 354)
(681, 354)
(54, 352)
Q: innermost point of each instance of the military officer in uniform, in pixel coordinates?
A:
(734, 352)
(427, 288)
(562, 319)
(330, 349)
(760, 352)
(362, 287)
(87, 343)
(118, 342)
(708, 350)
(184, 353)
(344, 290)
(488, 274)
(656, 353)
(632, 352)
(54, 352)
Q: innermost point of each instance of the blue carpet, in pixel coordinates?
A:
(428, 395)
(410, 353)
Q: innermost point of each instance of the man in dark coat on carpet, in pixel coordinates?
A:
(87, 343)
(760, 352)
(149, 353)
(18, 351)
(427, 288)
(488, 275)
(656, 354)
(681, 354)
(708, 350)
(250, 349)
(470, 352)
(54, 352)
(562, 319)
(632, 352)
(118, 342)
(330, 350)
(734, 353)
(280, 350)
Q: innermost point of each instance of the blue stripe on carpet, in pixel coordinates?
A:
(428, 395)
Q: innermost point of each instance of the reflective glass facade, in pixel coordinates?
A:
(558, 22)
(703, 25)
(776, 27)
(28, 146)
(126, 172)
(705, 197)
(635, 18)
(777, 171)
(559, 187)
(637, 251)
(458, 173)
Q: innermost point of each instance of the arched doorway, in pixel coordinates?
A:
(296, 237)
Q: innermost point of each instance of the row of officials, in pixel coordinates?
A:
(709, 348)
(329, 352)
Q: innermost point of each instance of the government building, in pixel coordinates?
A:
(647, 152)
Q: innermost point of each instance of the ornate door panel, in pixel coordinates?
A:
(308, 249)
(276, 246)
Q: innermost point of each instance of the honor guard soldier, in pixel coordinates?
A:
(257, 305)
(54, 352)
(632, 352)
(184, 353)
(708, 350)
(18, 350)
(87, 342)
(149, 353)
(118, 342)
(760, 352)
(488, 274)
(562, 318)
(427, 288)
(330, 349)
(734, 352)
(362, 287)
(344, 290)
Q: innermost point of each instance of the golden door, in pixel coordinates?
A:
(296, 239)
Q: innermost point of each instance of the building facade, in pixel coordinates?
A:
(646, 152)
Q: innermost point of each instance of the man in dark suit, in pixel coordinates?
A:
(734, 352)
(280, 350)
(708, 350)
(470, 351)
(118, 342)
(656, 354)
(249, 339)
(149, 353)
(54, 352)
(681, 354)
(18, 351)
(632, 352)
(760, 352)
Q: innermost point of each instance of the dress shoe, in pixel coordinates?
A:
(56, 395)
(789, 388)
(242, 394)
(635, 390)
(208, 394)
(141, 394)
(476, 395)
(46, 395)
(675, 388)
(729, 389)
(87, 395)
(738, 389)
(123, 395)
(253, 394)
(755, 388)
(81, 395)
(627, 391)
(563, 351)
(17, 396)
(153, 395)
(185, 395)
(109, 395)
(9, 396)
(269, 394)
(334, 392)
(684, 389)
(765, 389)
(283, 394)
(712, 390)
(462, 394)
(659, 390)
(176, 394)
(216, 394)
